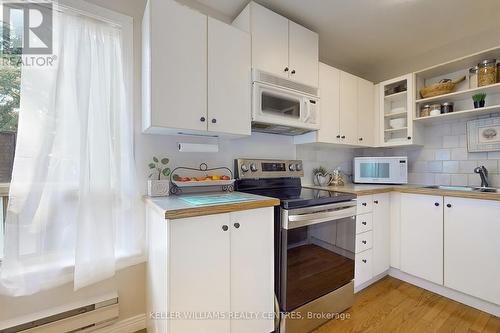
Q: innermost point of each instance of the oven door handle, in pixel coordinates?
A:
(297, 221)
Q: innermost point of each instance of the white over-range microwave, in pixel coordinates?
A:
(380, 170)
(282, 106)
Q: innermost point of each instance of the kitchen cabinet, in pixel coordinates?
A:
(395, 229)
(229, 88)
(381, 233)
(471, 250)
(372, 237)
(396, 101)
(365, 117)
(216, 263)
(347, 110)
(196, 73)
(422, 236)
(280, 46)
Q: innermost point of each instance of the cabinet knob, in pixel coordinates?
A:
(364, 260)
(293, 71)
(360, 139)
(236, 225)
(436, 204)
(225, 228)
(202, 119)
(214, 121)
(343, 136)
(448, 205)
(364, 204)
(409, 138)
(286, 69)
(363, 223)
(338, 136)
(375, 202)
(364, 242)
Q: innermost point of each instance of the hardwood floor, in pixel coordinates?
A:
(392, 305)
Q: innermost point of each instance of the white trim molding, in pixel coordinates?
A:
(128, 325)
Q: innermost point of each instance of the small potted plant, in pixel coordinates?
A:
(321, 177)
(479, 100)
(158, 187)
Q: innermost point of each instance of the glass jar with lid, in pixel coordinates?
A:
(435, 109)
(487, 73)
(447, 107)
(473, 77)
(425, 110)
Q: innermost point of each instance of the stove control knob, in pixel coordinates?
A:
(253, 167)
(291, 167)
(298, 166)
(244, 168)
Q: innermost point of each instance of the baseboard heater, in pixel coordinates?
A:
(82, 319)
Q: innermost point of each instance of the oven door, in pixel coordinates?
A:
(316, 252)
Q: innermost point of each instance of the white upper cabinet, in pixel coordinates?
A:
(471, 247)
(422, 236)
(196, 73)
(303, 56)
(348, 108)
(329, 89)
(366, 92)
(174, 67)
(280, 46)
(229, 81)
(269, 40)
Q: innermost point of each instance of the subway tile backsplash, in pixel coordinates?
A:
(444, 159)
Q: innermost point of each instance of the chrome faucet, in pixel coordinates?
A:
(483, 173)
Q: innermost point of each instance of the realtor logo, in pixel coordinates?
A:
(27, 27)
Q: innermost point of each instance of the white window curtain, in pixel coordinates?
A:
(74, 210)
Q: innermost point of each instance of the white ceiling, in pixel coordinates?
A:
(379, 39)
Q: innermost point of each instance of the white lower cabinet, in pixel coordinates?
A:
(471, 247)
(381, 233)
(372, 237)
(216, 265)
(422, 236)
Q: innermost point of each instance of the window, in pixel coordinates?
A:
(10, 89)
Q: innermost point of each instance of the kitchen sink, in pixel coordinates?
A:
(465, 188)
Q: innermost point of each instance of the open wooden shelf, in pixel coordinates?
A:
(461, 95)
(459, 114)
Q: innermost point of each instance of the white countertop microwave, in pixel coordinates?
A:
(380, 170)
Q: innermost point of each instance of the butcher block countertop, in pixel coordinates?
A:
(360, 189)
(200, 204)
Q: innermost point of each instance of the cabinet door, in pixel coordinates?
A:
(395, 218)
(381, 233)
(252, 268)
(178, 66)
(422, 236)
(471, 247)
(348, 108)
(365, 113)
(363, 267)
(269, 41)
(303, 54)
(200, 272)
(229, 82)
(329, 90)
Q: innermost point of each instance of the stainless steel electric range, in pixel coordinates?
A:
(314, 242)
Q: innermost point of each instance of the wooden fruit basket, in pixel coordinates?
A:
(445, 86)
(225, 184)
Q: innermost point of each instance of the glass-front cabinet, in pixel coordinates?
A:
(396, 112)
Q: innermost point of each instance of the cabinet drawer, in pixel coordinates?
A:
(365, 204)
(364, 223)
(364, 241)
(363, 267)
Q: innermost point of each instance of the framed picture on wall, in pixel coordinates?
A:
(483, 135)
